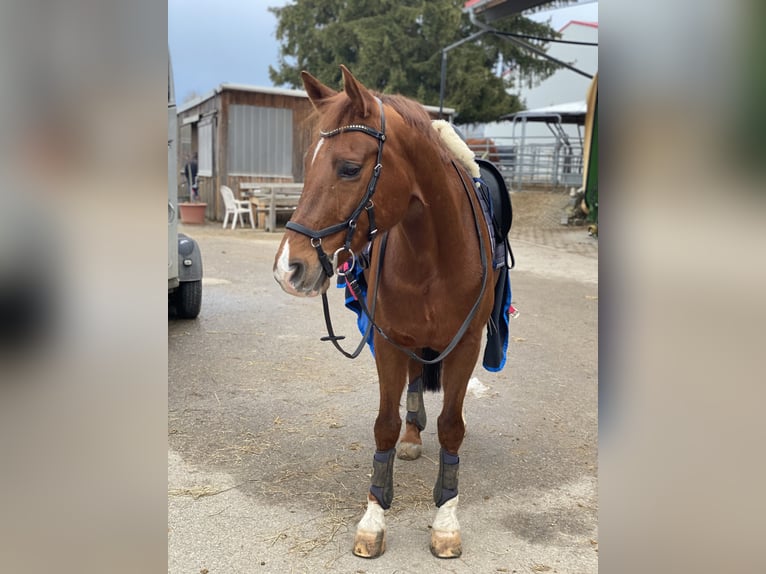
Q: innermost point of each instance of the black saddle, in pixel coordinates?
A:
(502, 210)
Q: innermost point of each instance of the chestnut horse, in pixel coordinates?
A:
(431, 295)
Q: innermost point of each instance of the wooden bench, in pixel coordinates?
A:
(270, 198)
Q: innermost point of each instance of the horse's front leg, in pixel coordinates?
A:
(411, 445)
(370, 540)
(446, 541)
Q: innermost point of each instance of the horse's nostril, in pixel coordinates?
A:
(297, 270)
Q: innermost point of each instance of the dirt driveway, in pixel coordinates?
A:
(270, 430)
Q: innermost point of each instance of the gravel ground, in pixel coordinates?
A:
(270, 431)
(537, 217)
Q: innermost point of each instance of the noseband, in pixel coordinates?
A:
(366, 204)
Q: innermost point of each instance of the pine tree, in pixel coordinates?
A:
(394, 46)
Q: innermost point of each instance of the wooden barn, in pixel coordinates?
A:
(243, 133)
(246, 134)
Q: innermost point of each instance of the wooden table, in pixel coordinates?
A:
(269, 198)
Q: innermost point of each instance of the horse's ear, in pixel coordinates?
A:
(360, 96)
(318, 93)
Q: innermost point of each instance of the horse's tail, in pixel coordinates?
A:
(431, 373)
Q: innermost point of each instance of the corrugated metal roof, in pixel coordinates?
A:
(264, 90)
(567, 108)
(267, 90)
(570, 112)
(195, 102)
(242, 88)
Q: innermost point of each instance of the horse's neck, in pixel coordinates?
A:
(436, 225)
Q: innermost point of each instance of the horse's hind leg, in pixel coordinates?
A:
(370, 539)
(411, 445)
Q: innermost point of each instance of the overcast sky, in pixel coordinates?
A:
(217, 41)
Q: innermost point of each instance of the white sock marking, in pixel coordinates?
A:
(374, 519)
(446, 517)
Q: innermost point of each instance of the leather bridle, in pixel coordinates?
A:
(366, 204)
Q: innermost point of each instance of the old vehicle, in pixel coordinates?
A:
(184, 257)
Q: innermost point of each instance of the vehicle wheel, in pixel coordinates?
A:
(189, 299)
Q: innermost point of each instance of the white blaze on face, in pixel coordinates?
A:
(282, 271)
(316, 150)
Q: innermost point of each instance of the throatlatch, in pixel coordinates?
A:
(446, 483)
(416, 410)
(382, 487)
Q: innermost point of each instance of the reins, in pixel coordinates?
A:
(331, 336)
(329, 266)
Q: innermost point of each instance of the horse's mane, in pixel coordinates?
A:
(341, 112)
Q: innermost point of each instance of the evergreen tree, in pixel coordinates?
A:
(394, 46)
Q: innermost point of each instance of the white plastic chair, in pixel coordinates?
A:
(235, 208)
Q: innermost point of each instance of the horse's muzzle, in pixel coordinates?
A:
(301, 283)
(298, 277)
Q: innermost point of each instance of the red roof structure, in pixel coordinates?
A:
(579, 23)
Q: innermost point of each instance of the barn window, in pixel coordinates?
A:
(205, 143)
(260, 141)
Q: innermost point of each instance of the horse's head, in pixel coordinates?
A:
(346, 196)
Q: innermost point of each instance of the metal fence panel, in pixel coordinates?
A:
(537, 162)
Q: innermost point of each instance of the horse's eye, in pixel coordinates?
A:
(348, 170)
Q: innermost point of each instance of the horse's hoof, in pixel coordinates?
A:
(409, 451)
(445, 533)
(446, 544)
(370, 544)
